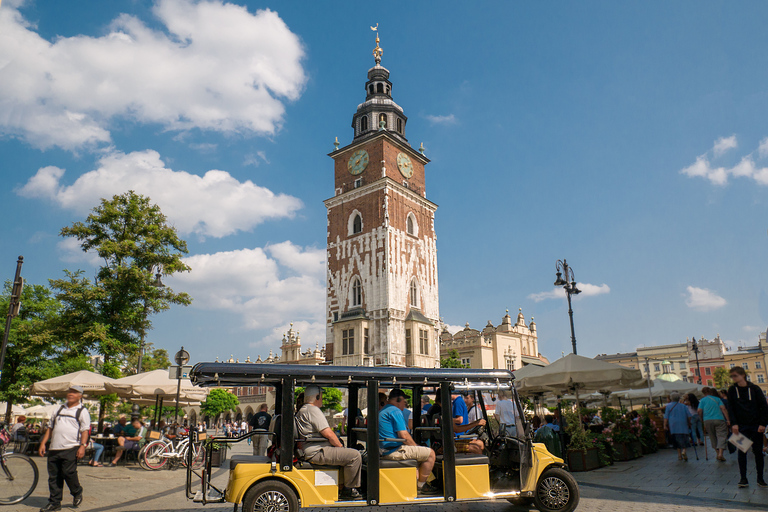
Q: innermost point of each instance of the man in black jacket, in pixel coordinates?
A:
(748, 410)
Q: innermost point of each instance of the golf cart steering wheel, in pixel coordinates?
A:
(476, 430)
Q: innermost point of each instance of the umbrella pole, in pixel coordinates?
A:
(178, 390)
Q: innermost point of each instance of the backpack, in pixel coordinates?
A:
(78, 413)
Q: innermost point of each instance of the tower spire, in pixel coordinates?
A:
(377, 52)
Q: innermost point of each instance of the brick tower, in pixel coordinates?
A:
(382, 300)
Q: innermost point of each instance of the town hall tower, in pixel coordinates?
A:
(382, 295)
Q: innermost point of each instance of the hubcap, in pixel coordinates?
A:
(553, 493)
(272, 501)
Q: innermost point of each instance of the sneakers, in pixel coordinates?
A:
(743, 483)
(761, 483)
(428, 490)
(50, 508)
(349, 493)
(78, 499)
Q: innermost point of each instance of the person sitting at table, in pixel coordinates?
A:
(98, 449)
(133, 436)
(19, 430)
(118, 427)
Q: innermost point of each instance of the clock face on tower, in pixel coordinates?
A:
(405, 165)
(358, 162)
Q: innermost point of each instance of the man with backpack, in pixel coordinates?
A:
(68, 433)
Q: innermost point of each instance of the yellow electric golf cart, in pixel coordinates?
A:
(511, 468)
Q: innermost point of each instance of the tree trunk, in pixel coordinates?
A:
(8, 410)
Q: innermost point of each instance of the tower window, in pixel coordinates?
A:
(366, 347)
(363, 123)
(357, 225)
(357, 293)
(347, 342)
(410, 225)
(358, 184)
(408, 345)
(370, 88)
(380, 88)
(424, 341)
(414, 294)
(399, 125)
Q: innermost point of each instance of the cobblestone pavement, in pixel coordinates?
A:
(654, 483)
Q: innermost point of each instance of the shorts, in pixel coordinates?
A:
(417, 453)
(130, 445)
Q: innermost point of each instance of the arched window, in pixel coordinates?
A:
(363, 123)
(380, 88)
(414, 294)
(357, 225)
(411, 227)
(370, 88)
(357, 293)
(399, 125)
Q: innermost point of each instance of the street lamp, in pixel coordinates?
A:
(182, 358)
(157, 283)
(570, 289)
(648, 377)
(695, 348)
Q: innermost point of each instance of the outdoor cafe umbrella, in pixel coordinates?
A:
(92, 384)
(661, 388)
(156, 383)
(41, 411)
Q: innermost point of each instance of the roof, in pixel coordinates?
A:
(416, 316)
(602, 357)
(245, 374)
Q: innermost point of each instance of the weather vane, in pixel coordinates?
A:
(377, 51)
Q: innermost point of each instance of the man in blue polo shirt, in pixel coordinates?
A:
(461, 424)
(392, 426)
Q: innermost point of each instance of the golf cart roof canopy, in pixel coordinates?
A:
(250, 374)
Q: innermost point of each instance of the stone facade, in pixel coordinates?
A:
(508, 346)
(382, 291)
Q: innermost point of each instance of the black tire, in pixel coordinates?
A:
(270, 496)
(18, 478)
(557, 491)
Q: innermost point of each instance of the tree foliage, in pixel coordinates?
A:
(218, 402)
(452, 361)
(154, 359)
(722, 378)
(332, 398)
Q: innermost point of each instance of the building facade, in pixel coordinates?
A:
(382, 291)
(507, 346)
(752, 359)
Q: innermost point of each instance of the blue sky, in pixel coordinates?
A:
(629, 138)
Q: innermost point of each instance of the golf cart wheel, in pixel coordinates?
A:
(270, 496)
(557, 491)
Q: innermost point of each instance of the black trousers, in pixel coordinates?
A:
(757, 448)
(62, 467)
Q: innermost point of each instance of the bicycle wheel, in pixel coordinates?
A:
(18, 478)
(155, 455)
(198, 456)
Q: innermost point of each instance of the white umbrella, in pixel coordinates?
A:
(661, 388)
(153, 384)
(41, 411)
(92, 384)
(16, 410)
(577, 374)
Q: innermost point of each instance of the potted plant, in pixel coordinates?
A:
(626, 440)
(648, 435)
(582, 453)
(604, 444)
(218, 454)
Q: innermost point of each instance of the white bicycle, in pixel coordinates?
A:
(166, 452)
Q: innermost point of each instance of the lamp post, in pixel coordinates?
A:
(13, 310)
(157, 283)
(695, 348)
(570, 289)
(648, 377)
(182, 358)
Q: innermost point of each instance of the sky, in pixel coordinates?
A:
(627, 137)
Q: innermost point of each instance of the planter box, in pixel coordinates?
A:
(627, 451)
(585, 460)
(218, 457)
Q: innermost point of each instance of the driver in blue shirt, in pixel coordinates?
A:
(461, 424)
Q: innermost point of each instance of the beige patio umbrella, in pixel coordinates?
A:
(150, 385)
(91, 382)
(41, 411)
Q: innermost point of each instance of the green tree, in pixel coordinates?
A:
(153, 359)
(332, 398)
(452, 361)
(33, 350)
(722, 378)
(217, 402)
(110, 315)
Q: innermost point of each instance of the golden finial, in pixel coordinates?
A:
(336, 144)
(377, 52)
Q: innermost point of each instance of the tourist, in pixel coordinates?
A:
(697, 432)
(507, 414)
(425, 404)
(132, 439)
(715, 417)
(260, 422)
(723, 393)
(461, 424)
(474, 413)
(69, 437)
(19, 430)
(748, 412)
(677, 421)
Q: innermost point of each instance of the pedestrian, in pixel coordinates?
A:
(697, 431)
(677, 420)
(724, 396)
(260, 422)
(715, 417)
(506, 413)
(68, 433)
(748, 411)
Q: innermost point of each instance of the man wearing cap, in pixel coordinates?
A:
(311, 423)
(68, 433)
(392, 426)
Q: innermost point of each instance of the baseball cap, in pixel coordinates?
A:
(396, 393)
(77, 388)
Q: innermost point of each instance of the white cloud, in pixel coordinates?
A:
(259, 288)
(746, 168)
(448, 119)
(587, 290)
(255, 159)
(702, 299)
(204, 147)
(215, 204)
(70, 252)
(453, 329)
(723, 144)
(208, 65)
